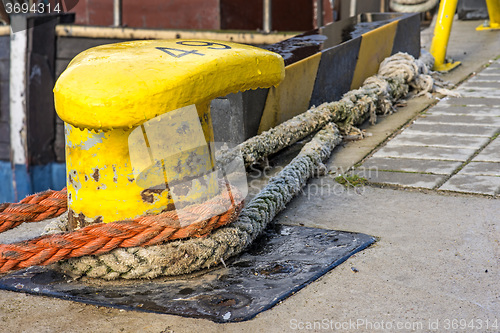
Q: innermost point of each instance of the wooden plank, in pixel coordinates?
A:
(122, 33)
(4, 141)
(4, 152)
(4, 132)
(4, 69)
(18, 92)
(4, 101)
(40, 99)
(40, 112)
(59, 144)
(61, 65)
(5, 47)
(69, 47)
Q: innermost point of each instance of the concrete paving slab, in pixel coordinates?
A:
(492, 68)
(470, 101)
(349, 153)
(493, 64)
(472, 84)
(483, 73)
(426, 153)
(476, 92)
(458, 130)
(454, 119)
(472, 184)
(410, 165)
(491, 153)
(489, 111)
(481, 169)
(492, 77)
(409, 139)
(406, 179)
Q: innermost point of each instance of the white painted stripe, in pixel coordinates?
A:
(352, 9)
(18, 128)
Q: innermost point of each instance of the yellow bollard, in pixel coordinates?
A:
(494, 16)
(441, 36)
(138, 126)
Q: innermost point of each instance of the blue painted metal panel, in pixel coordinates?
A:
(6, 189)
(49, 176)
(22, 182)
(38, 178)
(41, 177)
(58, 176)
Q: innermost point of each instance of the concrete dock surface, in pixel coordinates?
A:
(434, 209)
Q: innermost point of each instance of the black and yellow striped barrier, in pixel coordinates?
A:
(323, 64)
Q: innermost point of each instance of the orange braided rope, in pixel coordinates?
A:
(197, 221)
(33, 208)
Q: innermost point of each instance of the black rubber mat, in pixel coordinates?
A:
(278, 264)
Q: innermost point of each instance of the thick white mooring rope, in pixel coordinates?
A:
(186, 256)
(413, 6)
(397, 74)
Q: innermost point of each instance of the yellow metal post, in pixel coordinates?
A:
(138, 128)
(494, 14)
(441, 36)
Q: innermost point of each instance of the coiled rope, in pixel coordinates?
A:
(197, 221)
(186, 256)
(413, 6)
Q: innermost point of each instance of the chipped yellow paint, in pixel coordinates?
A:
(291, 97)
(376, 45)
(104, 182)
(138, 121)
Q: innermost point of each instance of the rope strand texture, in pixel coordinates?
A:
(142, 231)
(186, 256)
(413, 6)
(376, 96)
(33, 208)
(180, 257)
